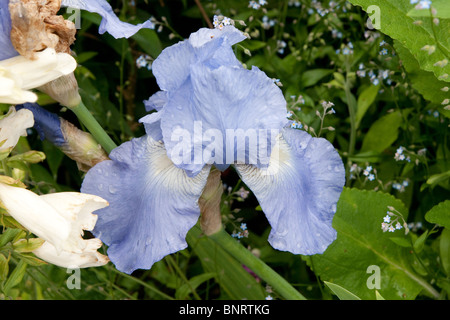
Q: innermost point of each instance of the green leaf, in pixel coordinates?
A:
(395, 22)
(28, 245)
(420, 242)
(4, 267)
(183, 291)
(423, 81)
(361, 243)
(16, 277)
(311, 77)
(365, 100)
(382, 133)
(342, 293)
(440, 214)
(441, 6)
(233, 279)
(444, 250)
(8, 235)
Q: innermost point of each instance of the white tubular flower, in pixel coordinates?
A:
(90, 257)
(19, 74)
(13, 126)
(59, 219)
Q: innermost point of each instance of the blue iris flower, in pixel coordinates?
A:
(153, 183)
(110, 23)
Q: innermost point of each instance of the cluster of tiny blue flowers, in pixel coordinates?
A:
(375, 77)
(422, 4)
(368, 173)
(400, 186)
(243, 233)
(268, 23)
(144, 61)
(257, 4)
(220, 21)
(400, 156)
(391, 221)
(347, 49)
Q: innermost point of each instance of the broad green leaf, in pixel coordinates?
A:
(423, 81)
(365, 100)
(341, 293)
(440, 214)
(233, 279)
(442, 10)
(183, 291)
(361, 244)
(382, 133)
(395, 22)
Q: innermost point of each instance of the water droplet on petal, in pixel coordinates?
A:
(112, 189)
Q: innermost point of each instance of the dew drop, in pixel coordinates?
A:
(100, 187)
(112, 189)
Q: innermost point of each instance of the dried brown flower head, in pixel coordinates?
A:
(36, 26)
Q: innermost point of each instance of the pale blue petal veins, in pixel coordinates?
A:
(6, 48)
(218, 108)
(152, 204)
(110, 22)
(299, 192)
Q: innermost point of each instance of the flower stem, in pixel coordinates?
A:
(278, 283)
(88, 120)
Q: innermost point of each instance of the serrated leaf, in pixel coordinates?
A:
(440, 214)
(340, 292)
(395, 22)
(361, 243)
(423, 81)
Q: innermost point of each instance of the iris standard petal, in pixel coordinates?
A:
(110, 22)
(152, 204)
(299, 191)
(6, 48)
(207, 46)
(222, 116)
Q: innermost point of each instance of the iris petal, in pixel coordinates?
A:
(153, 204)
(110, 22)
(299, 192)
(7, 50)
(221, 107)
(206, 46)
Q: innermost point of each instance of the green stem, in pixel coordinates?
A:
(351, 110)
(88, 120)
(278, 283)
